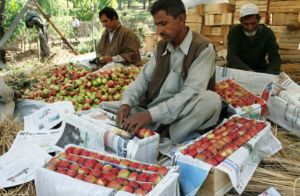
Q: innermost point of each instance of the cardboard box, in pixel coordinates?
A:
(50, 182)
(217, 183)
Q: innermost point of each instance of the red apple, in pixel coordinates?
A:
(162, 170)
(146, 187)
(114, 185)
(96, 172)
(154, 178)
(90, 178)
(127, 188)
(133, 175)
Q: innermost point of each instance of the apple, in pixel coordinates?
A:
(162, 170)
(109, 176)
(133, 165)
(133, 184)
(212, 161)
(140, 191)
(79, 176)
(142, 177)
(201, 157)
(148, 133)
(82, 160)
(106, 168)
(74, 166)
(114, 185)
(210, 136)
(141, 133)
(115, 170)
(61, 170)
(90, 163)
(70, 150)
(133, 175)
(142, 166)
(122, 181)
(83, 170)
(85, 153)
(154, 178)
(127, 188)
(124, 173)
(152, 168)
(96, 172)
(54, 161)
(63, 163)
(90, 178)
(71, 173)
(146, 187)
(124, 162)
(101, 181)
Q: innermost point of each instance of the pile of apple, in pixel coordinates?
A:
(84, 88)
(224, 140)
(236, 95)
(104, 170)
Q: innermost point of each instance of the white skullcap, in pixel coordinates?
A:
(248, 9)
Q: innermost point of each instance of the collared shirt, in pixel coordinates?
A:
(175, 93)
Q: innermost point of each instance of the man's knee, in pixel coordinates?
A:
(211, 101)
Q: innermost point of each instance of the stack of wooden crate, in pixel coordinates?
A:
(285, 22)
(218, 19)
(262, 7)
(194, 19)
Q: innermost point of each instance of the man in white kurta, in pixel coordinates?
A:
(183, 102)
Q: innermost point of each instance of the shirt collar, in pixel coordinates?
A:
(184, 46)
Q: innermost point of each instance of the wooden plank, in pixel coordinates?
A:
(193, 18)
(284, 6)
(194, 26)
(55, 28)
(218, 8)
(284, 18)
(215, 30)
(299, 17)
(218, 19)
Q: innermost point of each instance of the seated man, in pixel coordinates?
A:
(250, 42)
(7, 104)
(171, 92)
(118, 43)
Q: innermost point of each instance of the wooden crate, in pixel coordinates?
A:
(279, 19)
(284, 6)
(194, 26)
(292, 56)
(285, 38)
(218, 8)
(217, 183)
(215, 30)
(218, 19)
(193, 17)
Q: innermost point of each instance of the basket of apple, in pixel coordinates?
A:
(241, 100)
(220, 143)
(108, 172)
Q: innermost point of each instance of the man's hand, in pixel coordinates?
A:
(122, 114)
(137, 121)
(106, 59)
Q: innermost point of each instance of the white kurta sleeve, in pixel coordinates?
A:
(199, 74)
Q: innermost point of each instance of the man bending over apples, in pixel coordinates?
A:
(173, 94)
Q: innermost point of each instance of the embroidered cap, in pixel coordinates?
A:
(248, 9)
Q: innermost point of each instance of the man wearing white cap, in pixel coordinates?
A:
(250, 42)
